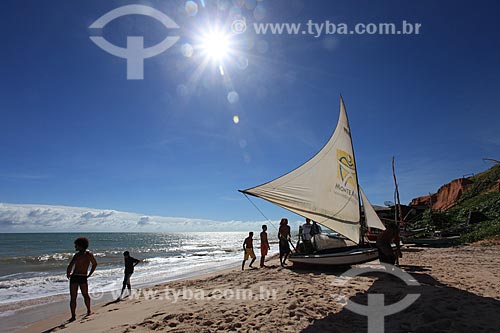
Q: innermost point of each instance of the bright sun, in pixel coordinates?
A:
(215, 44)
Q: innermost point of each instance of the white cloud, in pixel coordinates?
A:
(44, 218)
(145, 220)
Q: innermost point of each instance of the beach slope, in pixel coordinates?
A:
(459, 292)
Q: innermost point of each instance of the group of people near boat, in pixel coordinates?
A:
(284, 246)
(284, 238)
(387, 254)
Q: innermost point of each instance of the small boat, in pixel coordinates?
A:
(325, 189)
(432, 241)
(412, 232)
(373, 233)
(344, 257)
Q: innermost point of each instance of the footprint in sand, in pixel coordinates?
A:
(167, 317)
(173, 324)
(147, 322)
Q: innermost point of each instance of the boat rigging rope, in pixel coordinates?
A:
(246, 196)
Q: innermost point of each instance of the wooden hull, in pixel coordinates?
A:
(341, 258)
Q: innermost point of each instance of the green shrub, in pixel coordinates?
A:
(481, 231)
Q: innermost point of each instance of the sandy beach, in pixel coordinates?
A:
(149, 146)
(459, 292)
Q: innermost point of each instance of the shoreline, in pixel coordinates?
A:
(56, 307)
(458, 288)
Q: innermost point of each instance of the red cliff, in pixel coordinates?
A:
(446, 196)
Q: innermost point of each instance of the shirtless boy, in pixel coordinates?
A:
(77, 274)
(248, 248)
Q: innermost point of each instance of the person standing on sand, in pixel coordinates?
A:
(130, 263)
(264, 245)
(284, 238)
(306, 236)
(384, 245)
(248, 248)
(77, 274)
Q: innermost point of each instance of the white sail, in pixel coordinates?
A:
(372, 219)
(325, 188)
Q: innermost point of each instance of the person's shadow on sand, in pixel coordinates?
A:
(63, 325)
(440, 308)
(118, 300)
(56, 328)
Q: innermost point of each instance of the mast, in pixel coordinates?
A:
(400, 213)
(398, 203)
(361, 232)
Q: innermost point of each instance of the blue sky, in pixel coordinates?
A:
(75, 132)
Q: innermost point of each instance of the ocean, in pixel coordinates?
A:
(33, 266)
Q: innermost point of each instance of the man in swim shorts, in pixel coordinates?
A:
(248, 248)
(77, 274)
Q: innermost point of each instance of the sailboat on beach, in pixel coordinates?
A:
(325, 189)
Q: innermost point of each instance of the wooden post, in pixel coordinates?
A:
(400, 220)
(400, 213)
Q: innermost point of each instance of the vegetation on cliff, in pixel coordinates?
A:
(475, 216)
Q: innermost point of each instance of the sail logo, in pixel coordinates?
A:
(135, 52)
(346, 169)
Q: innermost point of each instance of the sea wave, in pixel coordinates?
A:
(44, 258)
(41, 271)
(30, 285)
(48, 258)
